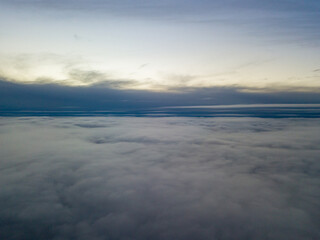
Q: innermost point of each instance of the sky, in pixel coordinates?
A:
(162, 178)
(162, 46)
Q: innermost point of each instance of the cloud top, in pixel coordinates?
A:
(163, 178)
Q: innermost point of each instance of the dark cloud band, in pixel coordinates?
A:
(56, 100)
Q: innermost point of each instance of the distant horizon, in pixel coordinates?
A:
(241, 110)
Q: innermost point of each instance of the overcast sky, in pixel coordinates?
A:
(160, 45)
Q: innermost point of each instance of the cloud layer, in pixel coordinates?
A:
(50, 99)
(159, 178)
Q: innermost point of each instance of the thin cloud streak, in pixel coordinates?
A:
(287, 22)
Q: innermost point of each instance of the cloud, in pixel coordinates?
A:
(159, 178)
(97, 78)
(46, 68)
(140, 6)
(278, 20)
(97, 99)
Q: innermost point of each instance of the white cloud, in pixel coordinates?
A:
(159, 178)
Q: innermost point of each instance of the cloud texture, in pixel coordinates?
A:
(159, 178)
(50, 99)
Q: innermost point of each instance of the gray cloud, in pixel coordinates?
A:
(287, 21)
(167, 6)
(35, 99)
(159, 178)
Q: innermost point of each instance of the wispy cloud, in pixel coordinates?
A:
(290, 21)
